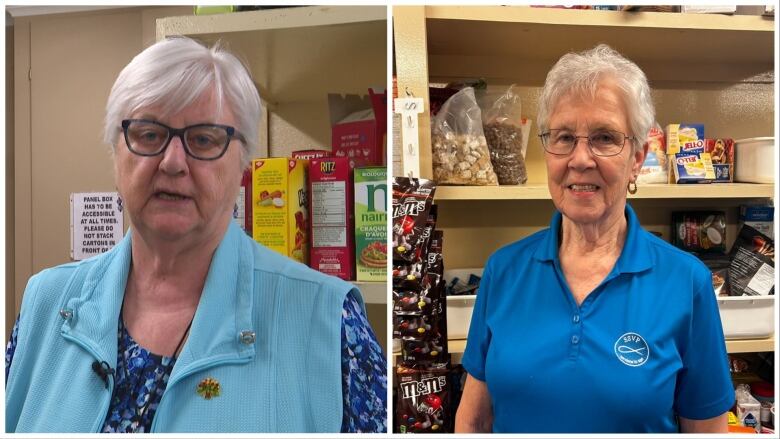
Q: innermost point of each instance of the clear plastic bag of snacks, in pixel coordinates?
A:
(460, 152)
(503, 124)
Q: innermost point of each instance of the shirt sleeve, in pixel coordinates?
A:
(363, 373)
(479, 337)
(10, 349)
(704, 388)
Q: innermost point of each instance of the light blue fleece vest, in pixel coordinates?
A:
(285, 379)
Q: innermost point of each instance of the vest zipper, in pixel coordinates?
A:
(184, 374)
(104, 411)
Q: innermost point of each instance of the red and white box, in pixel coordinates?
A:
(331, 217)
(359, 127)
(308, 154)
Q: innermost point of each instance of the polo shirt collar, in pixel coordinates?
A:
(634, 258)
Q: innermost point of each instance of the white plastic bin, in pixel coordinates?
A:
(747, 316)
(459, 308)
(754, 160)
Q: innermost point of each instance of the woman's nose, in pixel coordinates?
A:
(581, 154)
(174, 159)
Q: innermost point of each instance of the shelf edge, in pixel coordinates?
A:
(580, 17)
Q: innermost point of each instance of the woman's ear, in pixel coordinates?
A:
(639, 158)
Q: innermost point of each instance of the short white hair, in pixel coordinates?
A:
(582, 73)
(171, 74)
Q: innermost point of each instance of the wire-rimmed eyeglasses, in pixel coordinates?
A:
(603, 143)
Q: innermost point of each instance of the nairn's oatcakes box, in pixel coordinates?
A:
(371, 223)
(330, 198)
(280, 206)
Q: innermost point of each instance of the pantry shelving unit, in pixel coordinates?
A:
(703, 68)
(373, 292)
(298, 55)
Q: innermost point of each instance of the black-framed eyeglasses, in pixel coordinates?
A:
(202, 141)
(603, 143)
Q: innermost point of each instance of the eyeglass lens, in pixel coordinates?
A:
(602, 142)
(203, 141)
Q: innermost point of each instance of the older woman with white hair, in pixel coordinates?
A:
(188, 325)
(595, 325)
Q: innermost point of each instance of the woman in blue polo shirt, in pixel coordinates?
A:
(595, 325)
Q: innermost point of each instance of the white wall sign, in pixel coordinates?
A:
(95, 223)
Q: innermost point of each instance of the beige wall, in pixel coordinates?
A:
(10, 307)
(53, 142)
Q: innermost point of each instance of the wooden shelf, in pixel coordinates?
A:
(456, 349)
(657, 191)
(372, 292)
(283, 18)
(664, 20)
(751, 345)
(695, 44)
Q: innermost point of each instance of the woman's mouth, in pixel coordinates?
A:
(170, 196)
(583, 187)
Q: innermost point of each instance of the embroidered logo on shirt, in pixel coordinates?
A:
(208, 388)
(632, 350)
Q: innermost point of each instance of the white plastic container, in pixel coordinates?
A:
(747, 316)
(754, 159)
(459, 308)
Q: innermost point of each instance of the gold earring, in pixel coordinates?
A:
(632, 187)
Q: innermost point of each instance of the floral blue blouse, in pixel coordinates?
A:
(141, 378)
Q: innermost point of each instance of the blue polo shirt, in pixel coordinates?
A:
(644, 346)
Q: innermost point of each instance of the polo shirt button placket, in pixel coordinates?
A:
(576, 336)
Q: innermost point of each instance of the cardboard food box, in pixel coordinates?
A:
(308, 154)
(280, 207)
(678, 134)
(242, 211)
(655, 168)
(371, 223)
(721, 153)
(760, 218)
(692, 164)
(359, 127)
(331, 222)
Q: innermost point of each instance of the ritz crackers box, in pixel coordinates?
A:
(330, 206)
(371, 223)
(280, 207)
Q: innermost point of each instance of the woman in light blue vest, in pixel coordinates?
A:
(594, 325)
(188, 325)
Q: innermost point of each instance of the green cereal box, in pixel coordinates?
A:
(371, 223)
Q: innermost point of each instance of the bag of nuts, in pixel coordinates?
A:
(504, 131)
(460, 152)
